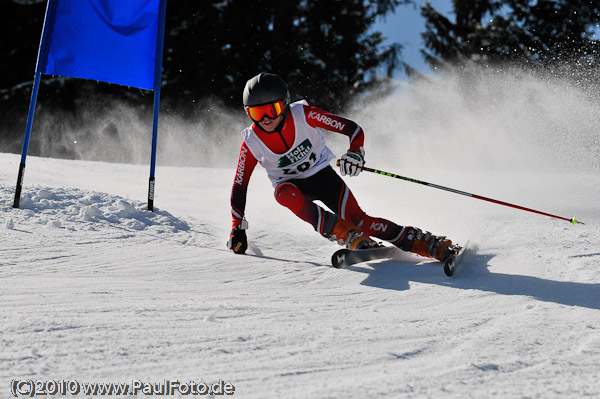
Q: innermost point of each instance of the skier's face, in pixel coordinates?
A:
(268, 125)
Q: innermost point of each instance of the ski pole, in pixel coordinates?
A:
(452, 190)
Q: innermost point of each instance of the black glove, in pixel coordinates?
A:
(238, 242)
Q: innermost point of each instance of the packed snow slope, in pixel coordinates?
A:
(97, 289)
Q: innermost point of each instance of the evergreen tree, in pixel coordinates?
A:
(535, 33)
(322, 48)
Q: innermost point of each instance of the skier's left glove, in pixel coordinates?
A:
(351, 163)
(238, 242)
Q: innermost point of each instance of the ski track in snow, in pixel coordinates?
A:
(96, 288)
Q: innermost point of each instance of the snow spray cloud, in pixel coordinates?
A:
(210, 140)
(117, 132)
(484, 120)
(481, 120)
(95, 132)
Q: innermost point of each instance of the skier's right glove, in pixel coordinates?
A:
(238, 242)
(352, 162)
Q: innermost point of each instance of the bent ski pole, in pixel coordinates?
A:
(380, 172)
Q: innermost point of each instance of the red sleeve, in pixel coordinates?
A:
(246, 164)
(326, 120)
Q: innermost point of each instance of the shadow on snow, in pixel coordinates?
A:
(395, 275)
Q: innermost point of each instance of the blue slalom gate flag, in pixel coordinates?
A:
(107, 40)
(114, 41)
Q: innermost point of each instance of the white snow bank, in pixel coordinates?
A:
(62, 207)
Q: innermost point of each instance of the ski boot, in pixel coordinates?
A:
(427, 244)
(345, 233)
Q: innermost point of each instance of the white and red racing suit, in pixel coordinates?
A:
(296, 159)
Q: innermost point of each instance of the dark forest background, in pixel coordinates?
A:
(324, 49)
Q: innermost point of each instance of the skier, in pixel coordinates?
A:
(286, 140)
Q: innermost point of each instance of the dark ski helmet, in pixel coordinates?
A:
(265, 88)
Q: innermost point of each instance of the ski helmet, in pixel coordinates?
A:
(265, 88)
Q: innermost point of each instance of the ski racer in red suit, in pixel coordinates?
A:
(286, 140)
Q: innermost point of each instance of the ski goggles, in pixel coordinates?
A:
(272, 111)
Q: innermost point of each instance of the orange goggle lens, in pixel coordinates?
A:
(272, 110)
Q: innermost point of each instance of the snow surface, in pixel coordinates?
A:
(96, 288)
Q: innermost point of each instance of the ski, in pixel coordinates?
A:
(452, 264)
(345, 257)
